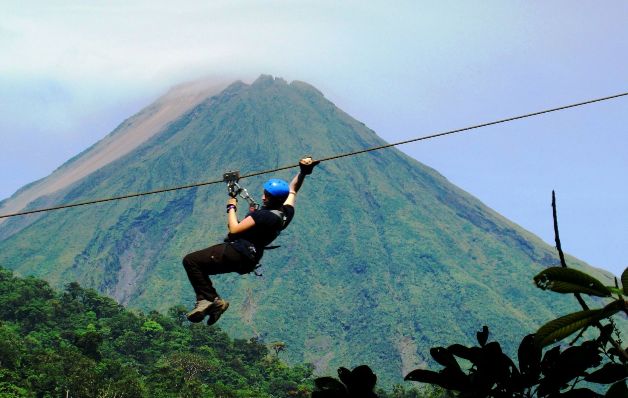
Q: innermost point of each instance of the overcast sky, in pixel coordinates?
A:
(71, 71)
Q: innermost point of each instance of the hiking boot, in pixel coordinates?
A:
(199, 312)
(216, 309)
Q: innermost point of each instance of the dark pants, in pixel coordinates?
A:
(217, 259)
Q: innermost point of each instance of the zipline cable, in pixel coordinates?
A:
(343, 155)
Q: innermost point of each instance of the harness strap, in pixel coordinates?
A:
(281, 216)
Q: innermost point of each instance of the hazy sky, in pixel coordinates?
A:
(71, 71)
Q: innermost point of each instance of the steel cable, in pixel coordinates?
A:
(377, 148)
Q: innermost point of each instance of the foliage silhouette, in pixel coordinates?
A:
(494, 374)
(357, 383)
(360, 383)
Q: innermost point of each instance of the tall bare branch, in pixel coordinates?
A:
(564, 264)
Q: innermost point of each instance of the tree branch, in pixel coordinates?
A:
(560, 250)
(578, 296)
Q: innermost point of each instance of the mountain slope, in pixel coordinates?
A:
(384, 259)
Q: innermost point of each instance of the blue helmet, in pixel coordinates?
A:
(277, 188)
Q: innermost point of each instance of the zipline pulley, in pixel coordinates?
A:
(234, 189)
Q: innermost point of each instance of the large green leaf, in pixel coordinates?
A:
(562, 327)
(624, 280)
(569, 280)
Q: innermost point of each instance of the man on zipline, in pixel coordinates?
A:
(245, 243)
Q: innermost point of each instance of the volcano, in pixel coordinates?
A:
(384, 258)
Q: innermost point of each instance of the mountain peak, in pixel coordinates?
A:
(268, 80)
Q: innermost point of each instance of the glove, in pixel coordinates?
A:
(307, 165)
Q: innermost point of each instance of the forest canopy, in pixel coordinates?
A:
(80, 344)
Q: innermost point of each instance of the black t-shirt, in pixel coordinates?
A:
(266, 229)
